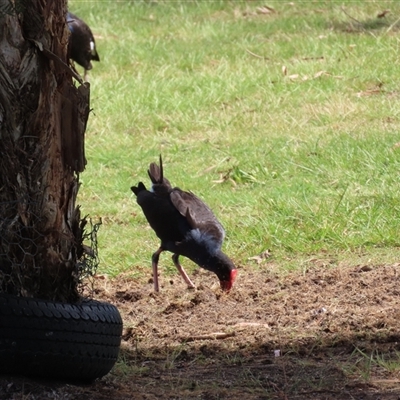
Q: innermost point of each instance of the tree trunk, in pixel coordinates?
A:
(42, 123)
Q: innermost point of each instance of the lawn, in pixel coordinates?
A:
(285, 120)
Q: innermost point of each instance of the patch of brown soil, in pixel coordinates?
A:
(330, 333)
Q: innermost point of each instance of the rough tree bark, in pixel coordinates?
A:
(42, 123)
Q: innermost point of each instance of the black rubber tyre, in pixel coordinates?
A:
(63, 341)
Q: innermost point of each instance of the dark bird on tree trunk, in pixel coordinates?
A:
(186, 226)
(81, 45)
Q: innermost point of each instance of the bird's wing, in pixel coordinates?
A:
(197, 213)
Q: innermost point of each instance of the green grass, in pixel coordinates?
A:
(304, 163)
(365, 363)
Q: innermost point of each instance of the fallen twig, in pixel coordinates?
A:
(250, 324)
(392, 25)
(210, 336)
(358, 22)
(256, 55)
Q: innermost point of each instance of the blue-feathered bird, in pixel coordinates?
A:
(81, 45)
(186, 226)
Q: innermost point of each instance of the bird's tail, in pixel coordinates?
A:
(156, 174)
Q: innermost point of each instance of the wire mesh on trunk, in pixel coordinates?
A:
(43, 116)
(23, 257)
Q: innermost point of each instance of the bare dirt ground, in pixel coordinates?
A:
(327, 333)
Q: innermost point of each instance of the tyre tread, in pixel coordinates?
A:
(70, 341)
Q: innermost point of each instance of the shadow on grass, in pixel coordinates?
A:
(336, 367)
(369, 25)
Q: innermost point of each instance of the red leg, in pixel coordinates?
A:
(154, 264)
(175, 259)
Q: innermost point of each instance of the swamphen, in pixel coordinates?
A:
(186, 226)
(81, 46)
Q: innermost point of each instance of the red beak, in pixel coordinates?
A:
(226, 286)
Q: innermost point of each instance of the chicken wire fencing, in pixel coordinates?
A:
(26, 263)
(89, 260)
(13, 7)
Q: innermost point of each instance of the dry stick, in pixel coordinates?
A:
(210, 336)
(256, 55)
(358, 22)
(243, 324)
(224, 335)
(391, 26)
